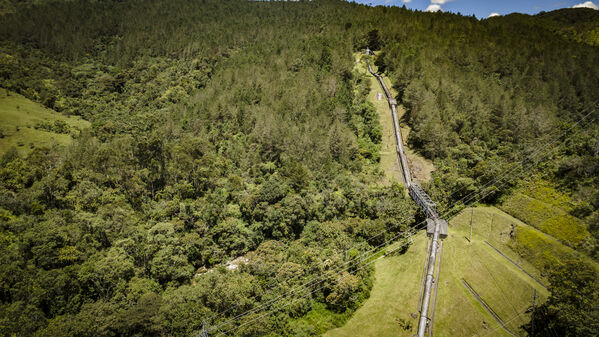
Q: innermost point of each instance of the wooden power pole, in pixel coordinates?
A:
(471, 215)
(532, 319)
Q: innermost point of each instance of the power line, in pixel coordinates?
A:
(561, 135)
(499, 326)
(540, 149)
(306, 284)
(236, 318)
(515, 167)
(494, 281)
(456, 205)
(294, 301)
(278, 284)
(309, 285)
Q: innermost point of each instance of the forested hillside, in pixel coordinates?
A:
(222, 129)
(581, 24)
(483, 96)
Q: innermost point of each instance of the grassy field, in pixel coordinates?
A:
(393, 299)
(392, 308)
(542, 206)
(504, 287)
(19, 115)
(393, 304)
(389, 163)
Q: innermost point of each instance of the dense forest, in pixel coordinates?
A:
(227, 129)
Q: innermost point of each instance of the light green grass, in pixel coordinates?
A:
(504, 287)
(393, 299)
(543, 251)
(19, 115)
(542, 206)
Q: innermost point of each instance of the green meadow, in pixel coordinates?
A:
(25, 124)
(392, 308)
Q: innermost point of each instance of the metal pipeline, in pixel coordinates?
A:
(403, 162)
(428, 285)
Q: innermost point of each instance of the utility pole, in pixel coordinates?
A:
(204, 332)
(471, 215)
(532, 320)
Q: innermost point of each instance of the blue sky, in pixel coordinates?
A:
(483, 8)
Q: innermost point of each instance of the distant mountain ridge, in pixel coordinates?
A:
(579, 24)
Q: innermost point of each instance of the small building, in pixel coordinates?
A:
(368, 51)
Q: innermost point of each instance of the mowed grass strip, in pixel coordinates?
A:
(505, 288)
(389, 163)
(19, 115)
(420, 167)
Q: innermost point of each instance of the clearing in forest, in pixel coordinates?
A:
(25, 124)
(420, 167)
(392, 307)
(540, 204)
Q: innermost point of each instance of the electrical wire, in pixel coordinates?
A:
(449, 211)
(231, 320)
(539, 147)
(323, 277)
(456, 205)
(499, 326)
(494, 280)
(294, 301)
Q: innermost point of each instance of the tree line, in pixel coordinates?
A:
(236, 128)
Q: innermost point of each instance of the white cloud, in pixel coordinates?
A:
(588, 4)
(407, 1)
(433, 8)
(493, 14)
(440, 2)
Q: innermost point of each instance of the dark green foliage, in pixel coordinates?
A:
(374, 39)
(484, 96)
(578, 24)
(217, 128)
(223, 129)
(572, 309)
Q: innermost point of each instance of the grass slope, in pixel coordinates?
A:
(19, 115)
(505, 288)
(420, 167)
(542, 206)
(388, 162)
(393, 299)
